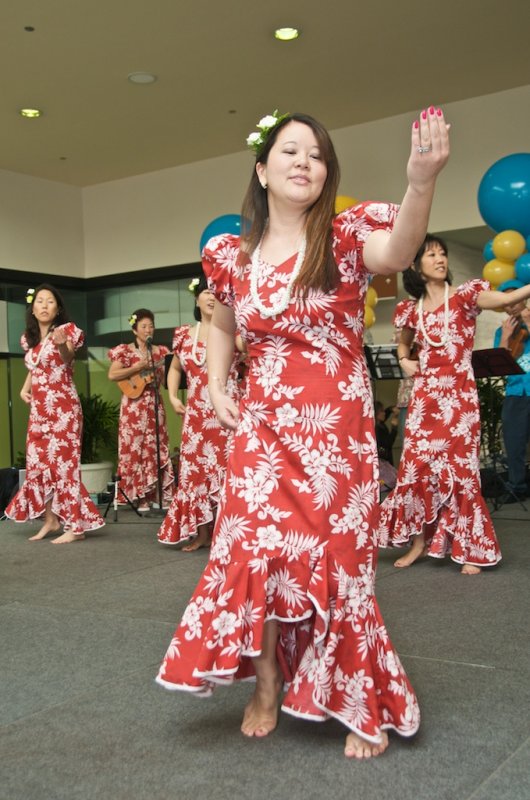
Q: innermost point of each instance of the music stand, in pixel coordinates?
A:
(382, 360)
(113, 499)
(495, 362)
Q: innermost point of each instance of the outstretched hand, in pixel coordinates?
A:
(429, 147)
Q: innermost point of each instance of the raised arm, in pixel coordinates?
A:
(387, 252)
(507, 300)
(220, 354)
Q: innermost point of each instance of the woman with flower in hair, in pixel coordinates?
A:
(52, 488)
(204, 445)
(437, 505)
(139, 369)
(287, 597)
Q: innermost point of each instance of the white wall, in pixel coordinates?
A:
(41, 226)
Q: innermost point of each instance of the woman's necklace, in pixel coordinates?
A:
(199, 361)
(283, 298)
(445, 336)
(35, 361)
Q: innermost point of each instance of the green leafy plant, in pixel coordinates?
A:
(100, 426)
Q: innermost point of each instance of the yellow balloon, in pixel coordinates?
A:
(371, 297)
(496, 272)
(508, 245)
(369, 316)
(342, 202)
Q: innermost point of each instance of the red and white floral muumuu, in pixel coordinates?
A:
(53, 444)
(203, 448)
(137, 456)
(438, 490)
(294, 539)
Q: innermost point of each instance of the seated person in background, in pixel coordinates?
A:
(385, 438)
(513, 334)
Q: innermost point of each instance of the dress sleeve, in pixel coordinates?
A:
(24, 343)
(121, 354)
(220, 260)
(74, 334)
(468, 293)
(179, 335)
(404, 315)
(352, 227)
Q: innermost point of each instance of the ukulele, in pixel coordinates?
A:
(134, 386)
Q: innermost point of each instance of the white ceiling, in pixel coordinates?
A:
(219, 70)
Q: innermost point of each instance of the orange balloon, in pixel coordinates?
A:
(508, 245)
(342, 202)
(369, 316)
(496, 272)
(371, 297)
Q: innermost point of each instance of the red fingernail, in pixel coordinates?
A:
(439, 112)
(424, 115)
(416, 124)
(431, 110)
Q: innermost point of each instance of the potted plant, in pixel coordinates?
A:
(100, 430)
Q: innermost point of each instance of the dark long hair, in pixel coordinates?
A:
(32, 326)
(413, 281)
(202, 286)
(319, 269)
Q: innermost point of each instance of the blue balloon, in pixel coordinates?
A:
(488, 253)
(228, 223)
(504, 194)
(522, 268)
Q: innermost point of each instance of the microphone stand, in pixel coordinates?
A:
(156, 512)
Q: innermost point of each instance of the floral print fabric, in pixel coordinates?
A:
(137, 458)
(294, 539)
(53, 444)
(438, 490)
(203, 449)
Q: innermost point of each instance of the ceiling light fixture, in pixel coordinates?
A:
(141, 77)
(286, 34)
(30, 113)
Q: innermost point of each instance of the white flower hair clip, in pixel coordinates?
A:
(132, 320)
(30, 294)
(257, 139)
(195, 282)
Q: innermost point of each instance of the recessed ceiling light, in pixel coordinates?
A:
(141, 77)
(30, 113)
(286, 34)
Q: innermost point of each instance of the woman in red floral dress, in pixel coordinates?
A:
(437, 503)
(288, 594)
(137, 445)
(204, 444)
(52, 487)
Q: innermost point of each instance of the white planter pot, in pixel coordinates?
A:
(96, 476)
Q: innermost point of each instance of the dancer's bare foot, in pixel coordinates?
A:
(418, 550)
(360, 748)
(47, 528)
(261, 712)
(470, 569)
(66, 538)
(203, 539)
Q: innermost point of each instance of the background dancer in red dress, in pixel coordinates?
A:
(137, 456)
(288, 593)
(204, 443)
(437, 502)
(52, 486)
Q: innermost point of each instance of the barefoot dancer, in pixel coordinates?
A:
(288, 594)
(437, 504)
(52, 487)
(204, 445)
